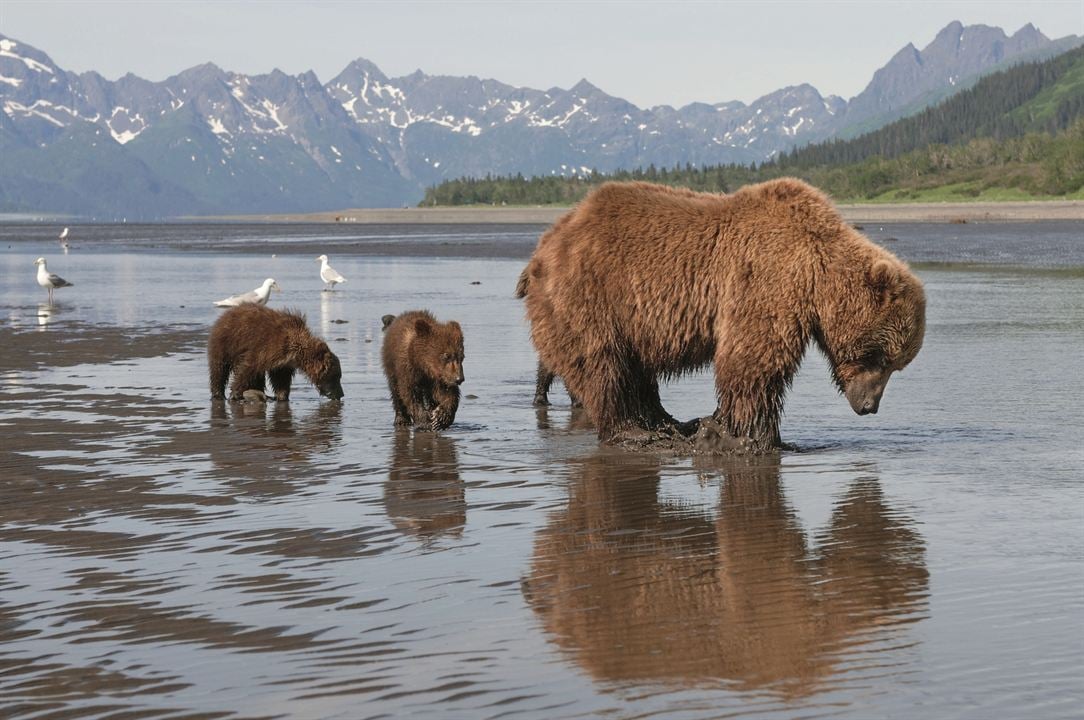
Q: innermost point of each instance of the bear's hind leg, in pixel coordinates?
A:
(219, 374)
(402, 415)
(647, 405)
(603, 385)
(542, 385)
(281, 379)
(245, 378)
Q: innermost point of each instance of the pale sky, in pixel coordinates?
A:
(649, 53)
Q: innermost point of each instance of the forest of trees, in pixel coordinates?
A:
(999, 106)
(1021, 129)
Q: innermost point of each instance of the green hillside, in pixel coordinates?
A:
(1016, 134)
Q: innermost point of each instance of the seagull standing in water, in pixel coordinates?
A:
(63, 241)
(48, 280)
(328, 274)
(258, 296)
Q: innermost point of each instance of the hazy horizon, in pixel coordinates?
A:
(649, 54)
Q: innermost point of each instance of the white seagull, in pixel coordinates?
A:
(64, 243)
(328, 274)
(258, 296)
(48, 280)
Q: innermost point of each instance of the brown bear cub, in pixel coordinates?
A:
(640, 282)
(423, 361)
(255, 343)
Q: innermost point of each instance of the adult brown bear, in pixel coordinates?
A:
(639, 282)
(253, 342)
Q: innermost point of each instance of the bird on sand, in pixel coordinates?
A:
(49, 281)
(258, 296)
(63, 242)
(328, 274)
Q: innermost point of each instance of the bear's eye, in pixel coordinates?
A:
(874, 358)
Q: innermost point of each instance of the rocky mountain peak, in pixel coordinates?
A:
(230, 142)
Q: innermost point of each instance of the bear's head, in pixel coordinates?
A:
(326, 373)
(889, 340)
(438, 349)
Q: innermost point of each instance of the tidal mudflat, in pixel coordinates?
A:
(163, 555)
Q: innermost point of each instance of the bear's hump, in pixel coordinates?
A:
(637, 193)
(795, 203)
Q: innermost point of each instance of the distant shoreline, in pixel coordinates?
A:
(929, 212)
(544, 215)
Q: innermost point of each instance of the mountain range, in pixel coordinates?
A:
(208, 141)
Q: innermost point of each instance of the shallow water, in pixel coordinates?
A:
(167, 556)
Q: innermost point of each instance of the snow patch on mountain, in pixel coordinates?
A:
(6, 47)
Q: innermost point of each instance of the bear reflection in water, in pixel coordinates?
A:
(257, 440)
(576, 419)
(636, 588)
(424, 494)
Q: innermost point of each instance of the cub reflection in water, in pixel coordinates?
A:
(636, 588)
(424, 494)
(257, 440)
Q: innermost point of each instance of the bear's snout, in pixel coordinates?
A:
(864, 391)
(335, 392)
(869, 407)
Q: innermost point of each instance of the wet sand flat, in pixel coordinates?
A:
(1025, 211)
(164, 555)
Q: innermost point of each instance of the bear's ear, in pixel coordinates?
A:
(456, 330)
(422, 326)
(884, 278)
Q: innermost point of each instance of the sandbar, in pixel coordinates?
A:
(948, 212)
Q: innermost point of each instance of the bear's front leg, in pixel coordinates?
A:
(281, 379)
(752, 416)
(751, 382)
(713, 438)
(418, 411)
(754, 431)
(445, 405)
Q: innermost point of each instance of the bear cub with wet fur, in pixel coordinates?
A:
(254, 344)
(423, 361)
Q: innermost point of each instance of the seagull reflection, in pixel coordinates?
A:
(45, 314)
(634, 588)
(424, 494)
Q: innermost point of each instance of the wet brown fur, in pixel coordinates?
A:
(254, 343)
(423, 362)
(544, 377)
(640, 282)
